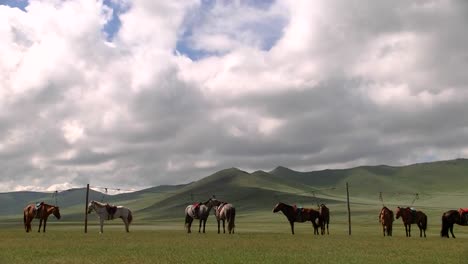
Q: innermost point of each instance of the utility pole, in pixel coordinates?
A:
(86, 210)
(349, 209)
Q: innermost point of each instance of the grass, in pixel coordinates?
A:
(256, 241)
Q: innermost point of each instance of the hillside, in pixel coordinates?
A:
(438, 185)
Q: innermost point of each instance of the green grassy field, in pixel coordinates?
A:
(158, 236)
(257, 240)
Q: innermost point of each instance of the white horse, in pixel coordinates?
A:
(201, 211)
(103, 212)
(225, 212)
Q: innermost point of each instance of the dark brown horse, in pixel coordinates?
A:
(450, 218)
(386, 219)
(410, 216)
(42, 213)
(325, 217)
(300, 215)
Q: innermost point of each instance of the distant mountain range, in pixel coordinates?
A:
(259, 191)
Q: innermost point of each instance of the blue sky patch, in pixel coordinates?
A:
(21, 4)
(269, 30)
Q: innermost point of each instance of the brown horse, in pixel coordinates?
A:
(410, 216)
(450, 218)
(325, 217)
(386, 219)
(42, 213)
(300, 215)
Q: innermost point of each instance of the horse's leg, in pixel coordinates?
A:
(224, 226)
(45, 222)
(199, 226)
(101, 222)
(204, 224)
(451, 230)
(327, 228)
(316, 227)
(27, 224)
(189, 225)
(218, 225)
(126, 224)
(409, 230)
(292, 226)
(40, 225)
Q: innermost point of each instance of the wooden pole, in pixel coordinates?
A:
(349, 209)
(86, 210)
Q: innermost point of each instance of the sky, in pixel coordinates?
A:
(134, 94)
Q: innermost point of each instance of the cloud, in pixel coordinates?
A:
(131, 94)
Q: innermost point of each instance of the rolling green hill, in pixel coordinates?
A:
(439, 185)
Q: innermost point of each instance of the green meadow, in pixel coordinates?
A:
(158, 236)
(258, 239)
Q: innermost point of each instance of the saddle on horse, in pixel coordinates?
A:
(196, 208)
(37, 209)
(299, 213)
(111, 209)
(414, 213)
(220, 207)
(463, 216)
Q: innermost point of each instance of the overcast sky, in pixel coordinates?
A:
(138, 93)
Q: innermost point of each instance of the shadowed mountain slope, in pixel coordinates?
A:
(259, 191)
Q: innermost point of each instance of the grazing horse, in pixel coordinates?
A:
(42, 212)
(386, 219)
(225, 212)
(410, 216)
(325, 216)
(300, 215)
(198, 211)
(107, 212)
(450, 218)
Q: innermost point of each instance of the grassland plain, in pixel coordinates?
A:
(256, 241)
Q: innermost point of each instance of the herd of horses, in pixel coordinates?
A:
(226, 212)
(412, 216)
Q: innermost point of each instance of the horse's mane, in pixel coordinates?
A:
(99, 203)
(49, 205)
(286, 204)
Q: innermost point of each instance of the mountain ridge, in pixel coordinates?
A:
(257, 191)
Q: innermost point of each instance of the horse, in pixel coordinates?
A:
(300, 215)
(108, 212)
(410, 216)
(386, 219)
(325, 217)
(42, 212)
(198, 211)
(225, 212)
(450, 218)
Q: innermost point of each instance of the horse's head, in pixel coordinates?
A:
(398, 212)
(91, 207)
(212, 202)
(278, 207)
(56, 212)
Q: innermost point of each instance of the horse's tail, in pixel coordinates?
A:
(231, 216)
(129, 217)
(444, 231)
(424, 222)
(187, 219)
